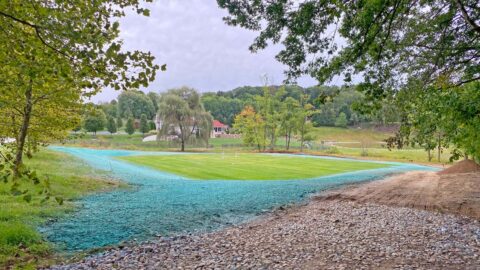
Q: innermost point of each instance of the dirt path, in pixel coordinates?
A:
(446, 193)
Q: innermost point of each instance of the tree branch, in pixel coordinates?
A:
(469, 20)
(37, 32)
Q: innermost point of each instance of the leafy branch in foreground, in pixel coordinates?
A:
(55, 53)
(23, 174)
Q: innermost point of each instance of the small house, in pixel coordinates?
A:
(218, 129)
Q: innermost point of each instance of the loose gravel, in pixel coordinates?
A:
(319, 235)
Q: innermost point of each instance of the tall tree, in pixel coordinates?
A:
(206, 125)
(119, 122)
(94, 120)
(111, 125)
(252, 127)
(49, 43)
(180, 113)
(289, 113)
(129, 126)
(135, 103)
(144, 126)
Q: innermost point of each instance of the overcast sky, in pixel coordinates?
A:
(200, 50)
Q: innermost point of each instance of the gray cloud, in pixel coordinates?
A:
(200, 50)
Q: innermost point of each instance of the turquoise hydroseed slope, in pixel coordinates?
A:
(167, 204)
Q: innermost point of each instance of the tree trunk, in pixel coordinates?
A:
(27, 113)
(183, 145)
(289, 136)
(302, 134)
(439, 146)
(429, 155)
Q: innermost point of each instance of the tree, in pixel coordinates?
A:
(129, 127)
(252, 127)
(119, 122)
(53, 53)
(135, 103)
(222, 108)
(341, 120)
(289, 112)
(94, 120)
(111, 125)
(180, 113)
(144, 127)
(154, 98)
(206, 123)
(304, 120)
(109, 108)
(385, 41)
(439, 117)
(268, 106)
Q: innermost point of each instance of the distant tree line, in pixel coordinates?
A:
(135, 107)
(336, 106)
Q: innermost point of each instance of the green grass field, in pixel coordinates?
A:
(21, 246)
(249, 166)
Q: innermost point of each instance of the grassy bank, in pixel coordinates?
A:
(249, 166)
(21, 246)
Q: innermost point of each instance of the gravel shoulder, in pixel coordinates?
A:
(378, 225)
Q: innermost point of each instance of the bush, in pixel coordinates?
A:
(332, 150)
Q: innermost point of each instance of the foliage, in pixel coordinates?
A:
(181, 114)
(53, 54)
(289, 119)
(154, 97)
(94, 120)
(222, 108)
(341, 120)
(109, 108)
(129, 127)
(206, 123)
(119, 122)
(251, 125)
(111, 125)
(144, 126)
(84, 37)
(387, 42)
(330, 100)
(436, 117)
(135, 103)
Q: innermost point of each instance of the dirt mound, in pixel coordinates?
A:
(463, 166)
(446, 193)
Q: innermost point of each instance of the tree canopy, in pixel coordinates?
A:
(135, 103)
(94, 120)
(386, 42)
(54, 53)
(182, 114)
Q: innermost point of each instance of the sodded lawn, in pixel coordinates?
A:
(249, 166)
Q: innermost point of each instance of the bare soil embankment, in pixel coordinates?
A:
(455, 190)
